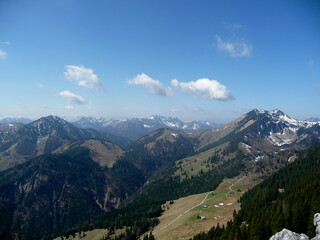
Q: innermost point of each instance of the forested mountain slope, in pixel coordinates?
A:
(132, 184)
(287, 199)
(59, 192)
(19, 143)
(242, 147)
(159, 148)
(50, 194)
(53, 193)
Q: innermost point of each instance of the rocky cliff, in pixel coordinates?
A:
(286, 234)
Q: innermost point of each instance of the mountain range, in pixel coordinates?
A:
(135, 128)
(15, 120)
(19, 143)
(313, 119)
(53, 166)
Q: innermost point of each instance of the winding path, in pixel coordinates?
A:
(230, 188)
(184, 213)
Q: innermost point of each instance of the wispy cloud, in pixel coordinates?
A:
(199, 110)
(155, 87)
(241, 111)
(236, 26)
(237, 48)
(73, 97)
(231, 27)
(204, 87)
(84, 77)
(3, 54)
(40, 85)
(69, 107)
(5, 43)
(174, 110)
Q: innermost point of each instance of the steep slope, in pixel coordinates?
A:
(137, 127)
(52, 192)
(246, 146)
(164, 165)
(102, 152)
(272, 127)
(73, 187)
(266, 138)
(158, 149)
(59, 192)
(287, 199)
(7, 132)
(49, 134)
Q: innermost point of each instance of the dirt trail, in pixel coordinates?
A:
(230, 188)
(204, 199)
(183, 213)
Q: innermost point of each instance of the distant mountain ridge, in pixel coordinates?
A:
(19, 143)
(15, 120)
(135, 128)
(273, 127)
(313, 119)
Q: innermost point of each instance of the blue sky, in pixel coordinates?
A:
(212, 60)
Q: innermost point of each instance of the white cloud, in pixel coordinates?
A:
(40, 85)
(238, 48)
(174, 110)
(72, 97)
(3, 54)
(69, 107)
(6, 43)
(154, 86)
(204, 87)
(84, 77)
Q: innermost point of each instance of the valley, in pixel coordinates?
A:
(159, 120)
(161, 182)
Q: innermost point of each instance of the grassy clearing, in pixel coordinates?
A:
(103, 153)
(194, 165)
(181, 221)
(96, 234)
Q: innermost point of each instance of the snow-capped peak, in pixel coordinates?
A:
(280, 117)
(260, 111)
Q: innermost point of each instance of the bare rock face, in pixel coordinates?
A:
(316, 222)
(286, 234)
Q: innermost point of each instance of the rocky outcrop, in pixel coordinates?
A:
(286, 234)
(316, 222)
